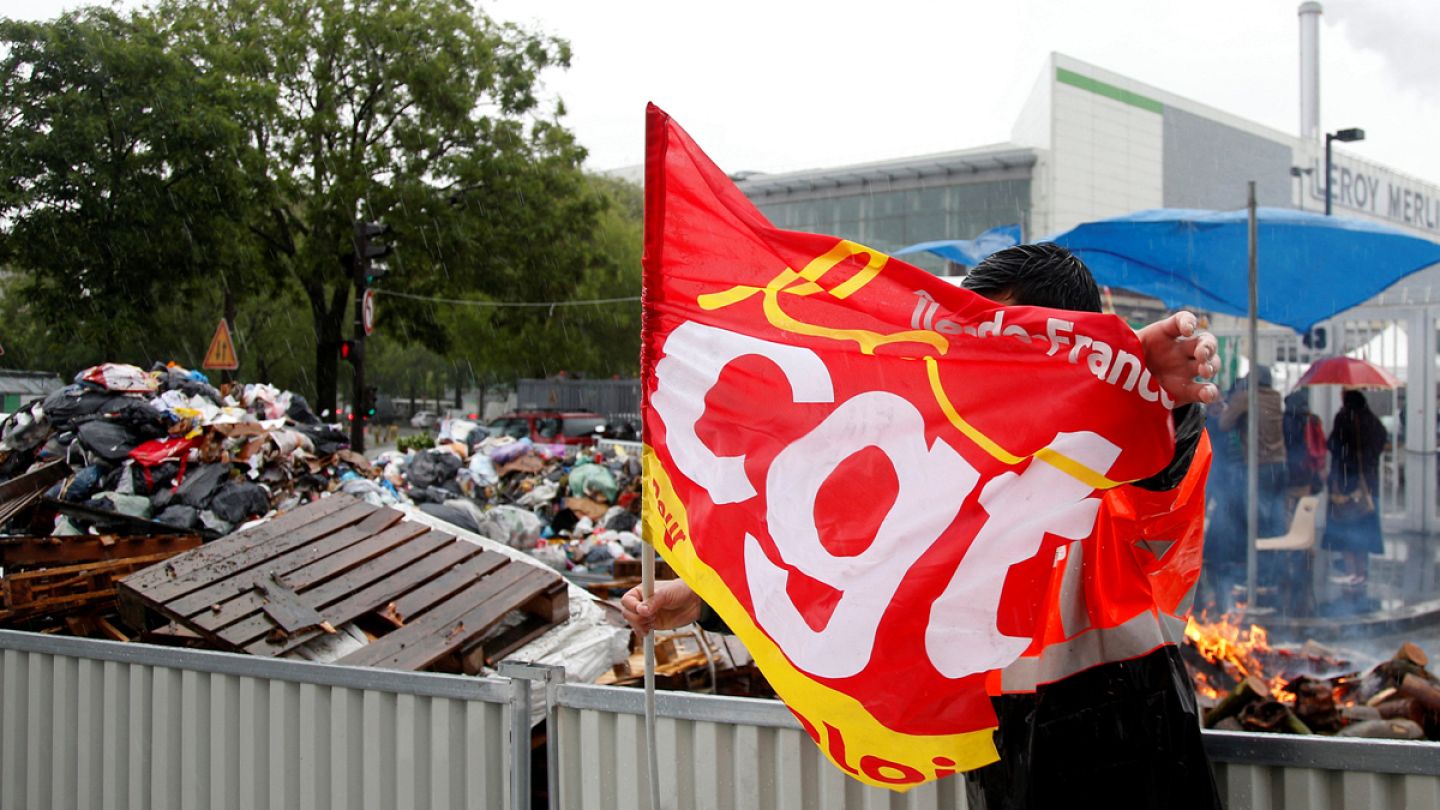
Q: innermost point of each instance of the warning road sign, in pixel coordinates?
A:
(222, 350)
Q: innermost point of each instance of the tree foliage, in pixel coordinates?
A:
(161, 165)
(122, 180)
(421, 114)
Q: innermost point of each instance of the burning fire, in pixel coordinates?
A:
(1240, 652)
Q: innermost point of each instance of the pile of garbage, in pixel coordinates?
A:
(167, 446)
(575, 508)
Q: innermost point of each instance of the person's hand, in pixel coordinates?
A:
(1177, 353)
(673, 604)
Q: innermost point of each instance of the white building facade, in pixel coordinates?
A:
(1091, 144)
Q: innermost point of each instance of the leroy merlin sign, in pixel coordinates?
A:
(1372, 190)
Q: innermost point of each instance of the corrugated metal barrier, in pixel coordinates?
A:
(94, 724)
(715, 752)
(615, 399)
(720, 752)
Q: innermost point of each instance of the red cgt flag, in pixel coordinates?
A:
(881, 481)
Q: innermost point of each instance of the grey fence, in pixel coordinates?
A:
(720, 752)
(94, 724)
(613, 399)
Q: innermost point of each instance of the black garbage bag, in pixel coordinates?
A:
(111, 441)
(432, 469)
(137, 417)
(621, 522)
(177, 380)
(563, 521)
(151, 480)
(238, 501)
(328, 441)
(16, 463)
(67, 406)
(25, 430)
(436, 494)
(311, 482)
(180, 516)
(200, 484)
(299, 411)
(599, 560)
(452, 515)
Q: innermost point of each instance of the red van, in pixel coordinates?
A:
(549, 427)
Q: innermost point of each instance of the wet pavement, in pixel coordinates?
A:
(1398, 602)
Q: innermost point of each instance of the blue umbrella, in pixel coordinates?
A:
(1310, 266)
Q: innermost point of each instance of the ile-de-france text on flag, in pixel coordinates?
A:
(874, 477)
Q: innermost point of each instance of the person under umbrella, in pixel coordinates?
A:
(1353, 523)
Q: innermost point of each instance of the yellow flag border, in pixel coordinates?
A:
(871, 748)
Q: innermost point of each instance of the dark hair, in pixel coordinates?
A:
(1042, 275)
(1354, 401)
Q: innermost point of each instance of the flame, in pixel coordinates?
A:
(1239, 651)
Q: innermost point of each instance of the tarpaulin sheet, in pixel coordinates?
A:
(968, 252)
(1309, 266)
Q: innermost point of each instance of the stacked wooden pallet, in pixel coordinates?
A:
(425, 599)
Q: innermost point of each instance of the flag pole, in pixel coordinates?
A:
(647, 587)
(1252, 417)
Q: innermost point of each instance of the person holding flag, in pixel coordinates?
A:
(1127, 730)
(993, 496)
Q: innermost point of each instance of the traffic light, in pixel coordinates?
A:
(368, 401)
(367, 249)
(350, 351)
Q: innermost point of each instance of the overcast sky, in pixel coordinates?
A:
(770, 85)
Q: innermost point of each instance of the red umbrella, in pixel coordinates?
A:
(1349, 371)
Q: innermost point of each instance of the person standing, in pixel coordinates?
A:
(1305, 448)
(1352, 524)
(1272, 474)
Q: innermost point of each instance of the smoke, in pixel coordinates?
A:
(1403, 33)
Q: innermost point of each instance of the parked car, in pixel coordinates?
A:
(423, 419)
(549, 427)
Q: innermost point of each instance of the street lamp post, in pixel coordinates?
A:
(1344, 136)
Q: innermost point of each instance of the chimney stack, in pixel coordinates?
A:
(1310, 70)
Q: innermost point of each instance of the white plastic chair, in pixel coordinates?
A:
(1295, 587)
(1302, 529)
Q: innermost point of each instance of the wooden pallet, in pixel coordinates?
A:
(23, 553)
(17, 494)
(67, 588)
(430, 598)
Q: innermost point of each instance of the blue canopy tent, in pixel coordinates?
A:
(1287, 267)
(1311, 266)
(968, 252)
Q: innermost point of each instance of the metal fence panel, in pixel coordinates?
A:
(723, 753)
(1261, 771)
(615, 399)
(92, 724)
(716, 753)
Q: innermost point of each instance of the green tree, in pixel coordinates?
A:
(422, 114)
(498, 341)
(125, 181)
